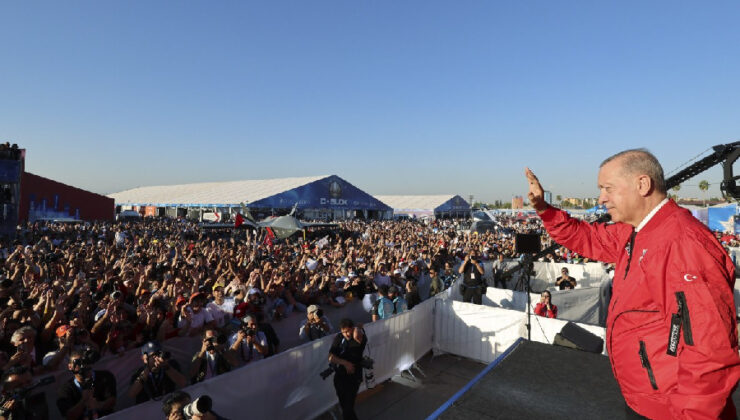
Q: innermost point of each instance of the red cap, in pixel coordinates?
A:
(62, 330)
(180, 300)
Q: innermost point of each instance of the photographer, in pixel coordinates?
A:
(173, 404)
(473, 286)
(90, 393)
(545, 307)
(16, 404)
(565, 281)
(200, 409)
(345, 356)
(315, 326)
(211, 361)
(159, 375)
(248, 343)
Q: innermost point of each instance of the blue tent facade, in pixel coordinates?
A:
(330, 193)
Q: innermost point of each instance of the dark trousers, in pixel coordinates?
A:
(473, 294)
(346, 387)
(499, 281)
(631, 414)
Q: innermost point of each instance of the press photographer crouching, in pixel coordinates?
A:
(248, 343)
(159, 375)
(90, 393)
(346, 361)
(211, 360)
(17, 402)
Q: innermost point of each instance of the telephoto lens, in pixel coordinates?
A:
(199, 407)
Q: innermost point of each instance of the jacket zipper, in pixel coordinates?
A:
(630, 245)
(646, 364)
(683, 313)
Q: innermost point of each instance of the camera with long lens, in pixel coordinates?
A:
(365, 363)
(199, 407)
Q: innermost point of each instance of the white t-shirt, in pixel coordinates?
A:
(221, 313)
(248, 352)
(199, 319)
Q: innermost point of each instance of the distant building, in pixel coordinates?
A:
(548, 197)
(517, 202)
(576, 202)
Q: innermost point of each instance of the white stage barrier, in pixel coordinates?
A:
(288, 386)
(482, 333)
(474, 331)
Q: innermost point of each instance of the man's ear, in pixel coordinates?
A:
(645, 185)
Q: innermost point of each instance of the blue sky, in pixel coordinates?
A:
(411, 97)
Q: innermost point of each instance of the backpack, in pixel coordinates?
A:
(385, 307)
(400, 305)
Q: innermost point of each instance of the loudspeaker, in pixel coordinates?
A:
(575, 337)
(527, 243)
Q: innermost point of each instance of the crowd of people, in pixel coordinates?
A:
(73, 293)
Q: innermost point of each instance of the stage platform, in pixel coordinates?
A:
(537, 380)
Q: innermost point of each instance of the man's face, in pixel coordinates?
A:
(25, 343)
(619, 192)
(347, 332)
(564, 272)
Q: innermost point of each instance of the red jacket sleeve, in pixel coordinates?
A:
(708, 370)
(597, 241)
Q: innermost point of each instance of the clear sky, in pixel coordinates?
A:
(396, 97)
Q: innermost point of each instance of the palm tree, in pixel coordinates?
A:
(704, 186)
(559, 198)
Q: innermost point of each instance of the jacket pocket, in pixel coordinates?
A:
(683, 313)
(680, 321)
(646, 365)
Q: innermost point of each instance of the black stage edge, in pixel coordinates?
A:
(541, 381)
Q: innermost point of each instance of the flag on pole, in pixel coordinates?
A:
(238, 220)
(269, 237)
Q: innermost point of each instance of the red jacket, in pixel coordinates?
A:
(671, 330)
(541, 310)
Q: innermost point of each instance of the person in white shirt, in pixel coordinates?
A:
(221, 308)
(248, 343)
(197, 317)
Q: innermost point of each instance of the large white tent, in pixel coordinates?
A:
(446, 205)
(327, 196)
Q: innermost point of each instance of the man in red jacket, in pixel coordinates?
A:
(671, 332)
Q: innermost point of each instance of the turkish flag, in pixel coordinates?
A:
(239, 220)
(269, 237)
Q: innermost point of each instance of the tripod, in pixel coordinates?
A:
(524, 285)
